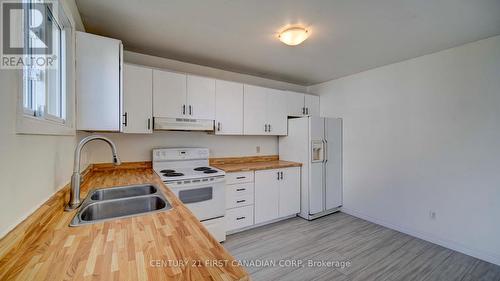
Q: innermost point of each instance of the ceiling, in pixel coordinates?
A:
(347, 36)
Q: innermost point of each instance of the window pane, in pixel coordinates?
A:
(54, 95)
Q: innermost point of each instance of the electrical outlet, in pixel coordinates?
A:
(257, 149)
(432, 215)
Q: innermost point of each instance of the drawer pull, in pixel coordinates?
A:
(239, 178)
(240, 218)
(240, 201)
(241, 189)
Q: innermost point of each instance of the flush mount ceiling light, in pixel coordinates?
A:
(293, 36)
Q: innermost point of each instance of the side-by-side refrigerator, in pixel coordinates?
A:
(316, 142)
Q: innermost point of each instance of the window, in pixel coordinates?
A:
(45, 95)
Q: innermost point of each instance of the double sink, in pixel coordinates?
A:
(120, 202)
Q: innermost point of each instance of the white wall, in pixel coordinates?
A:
(32, 167)
(424, 135)
(138, 147)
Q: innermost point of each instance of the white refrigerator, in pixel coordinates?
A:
(316, 142)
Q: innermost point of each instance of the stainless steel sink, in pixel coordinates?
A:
(122, 192)
(120, 202)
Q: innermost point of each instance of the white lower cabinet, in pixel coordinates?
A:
(238, 218)
(277, 193)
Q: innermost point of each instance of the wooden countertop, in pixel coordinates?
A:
(253, 166)
(146, 247)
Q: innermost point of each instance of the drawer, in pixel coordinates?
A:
(239, 217)
(239, 177)
(238, 200)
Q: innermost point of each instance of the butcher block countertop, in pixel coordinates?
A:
(252, 163)
(171, 245)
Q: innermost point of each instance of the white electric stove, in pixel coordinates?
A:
(200, 187)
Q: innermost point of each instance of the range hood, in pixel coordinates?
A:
(183, 124)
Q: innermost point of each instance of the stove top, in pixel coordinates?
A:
(185, 173)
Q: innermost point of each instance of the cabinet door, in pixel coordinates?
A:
(312, 105)
(98, 83)
(276, 112)
(200, 97)
(289, 202)
(228, 108)
(295, 104)
(169, 94)
(137, 99)
(254, 112)
(267, 195)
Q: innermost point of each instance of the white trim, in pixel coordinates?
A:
(456, 246)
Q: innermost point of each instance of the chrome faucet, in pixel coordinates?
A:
(74, 197)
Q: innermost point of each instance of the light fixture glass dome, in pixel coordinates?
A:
(294, 35)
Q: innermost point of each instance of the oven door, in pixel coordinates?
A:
(205, 199)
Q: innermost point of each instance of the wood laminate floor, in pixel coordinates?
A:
(374, 252)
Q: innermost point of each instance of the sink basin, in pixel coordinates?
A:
(122, 192)
(120, 202)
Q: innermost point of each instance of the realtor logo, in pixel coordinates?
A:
(26, 33)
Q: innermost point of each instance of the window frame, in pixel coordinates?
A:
(27, 120)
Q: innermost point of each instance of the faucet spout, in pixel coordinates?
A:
(74, 198)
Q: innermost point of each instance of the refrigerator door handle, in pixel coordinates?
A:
(325, 150)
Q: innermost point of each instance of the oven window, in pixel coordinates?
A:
(196, 195)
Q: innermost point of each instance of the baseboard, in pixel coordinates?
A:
(486, 256)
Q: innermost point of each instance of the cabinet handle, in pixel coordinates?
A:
(241, 189)
(281, 175)
(149, 123)
(241, 201)
(240, 218)
(303, 110)
(278, 175)
(239, 178)
(190, 110)
(307, 110)
(126, 119)
(218, 126)
(265, 127)
(183, 109)
(269, 128)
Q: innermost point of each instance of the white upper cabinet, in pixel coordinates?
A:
(276, 113)
(295, 104)
(255, 110)
(312, 105)
(169, 94)
(137, 99)
(228, 108)
(299, 104)
(264, 111)
(98, 83)
(200, 97)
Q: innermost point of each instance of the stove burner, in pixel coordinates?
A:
(202, 169)
(173, 174)
(210, 171)
(167, 171)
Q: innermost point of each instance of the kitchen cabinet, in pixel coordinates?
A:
(299, 104)
(277, 193)
(200, 98)
(228, 108)
(311, 104)
(177, 95)
(137, 99)
(264, 111)
(289, 185)
(169, 94)
(98, 83)
(267, 194)
(239, 200)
